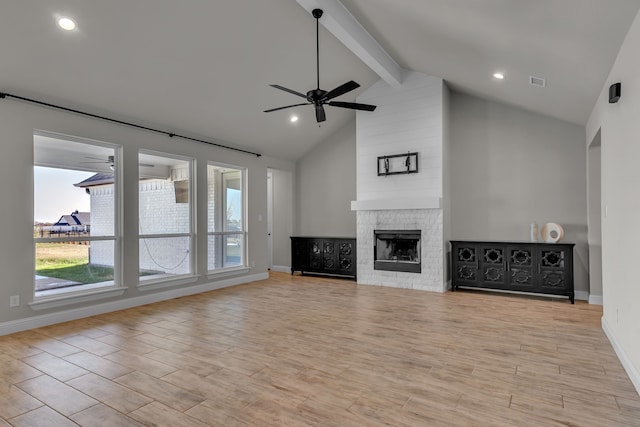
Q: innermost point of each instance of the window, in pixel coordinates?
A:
(75, 215)
(165, 216)
(226, 218)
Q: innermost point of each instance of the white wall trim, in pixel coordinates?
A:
(582, 295)
(61, 300)
(633, 373)
(79, 313)
(595, 299)
(281, 268)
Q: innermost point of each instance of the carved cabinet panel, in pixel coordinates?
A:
(466, 264)
(324, 255)
(545, 268)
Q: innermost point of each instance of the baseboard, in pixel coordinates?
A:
(281, 268)
(79, 313)
(631, 370)
(582, 295)
(595, 299)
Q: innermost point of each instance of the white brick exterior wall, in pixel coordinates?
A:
(102, 224)
(159, 213)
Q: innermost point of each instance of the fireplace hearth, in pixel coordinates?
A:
(397, 250)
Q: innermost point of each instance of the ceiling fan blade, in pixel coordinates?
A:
(320, 116)
(352, 105)
(287, 106)
(341, 90)
(289, 90)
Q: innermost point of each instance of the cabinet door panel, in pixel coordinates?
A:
(465, 264)
(315, 255)
(520, 268)
(346, 254)
(492, 265)
(553, 265)
(329, 256)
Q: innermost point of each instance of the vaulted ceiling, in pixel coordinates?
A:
(203, 68)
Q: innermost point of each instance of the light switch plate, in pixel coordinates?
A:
(14, 301)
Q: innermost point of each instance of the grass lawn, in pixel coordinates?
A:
(69, 262)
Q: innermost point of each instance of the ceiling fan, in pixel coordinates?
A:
(318, 97)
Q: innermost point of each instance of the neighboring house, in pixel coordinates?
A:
(76, 222)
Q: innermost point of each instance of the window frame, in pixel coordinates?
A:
(172, 279)
(83, 292)
(220, 219)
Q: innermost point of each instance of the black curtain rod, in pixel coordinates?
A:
(121, 122)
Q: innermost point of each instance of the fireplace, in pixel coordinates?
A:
(397, 250)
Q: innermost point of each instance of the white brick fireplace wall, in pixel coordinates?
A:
(429, 221)
(409, 118)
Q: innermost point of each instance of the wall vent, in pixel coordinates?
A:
(537, 81)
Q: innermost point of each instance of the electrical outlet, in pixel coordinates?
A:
(14, 301)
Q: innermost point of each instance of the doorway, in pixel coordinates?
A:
(594, 218)
(279, 218)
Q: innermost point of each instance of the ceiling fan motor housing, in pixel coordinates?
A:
(316, 95)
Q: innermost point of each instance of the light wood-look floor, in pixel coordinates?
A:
(313, 351)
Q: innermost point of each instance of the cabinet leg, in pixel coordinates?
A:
(571, 298)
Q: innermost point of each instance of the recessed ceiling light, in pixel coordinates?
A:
(66, 23)
(294, 119)
(498, 76)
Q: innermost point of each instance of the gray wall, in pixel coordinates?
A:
(620, 131)
(325, 185)
(510, 167)
(17, 123)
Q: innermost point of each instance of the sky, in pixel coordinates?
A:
(55, 194)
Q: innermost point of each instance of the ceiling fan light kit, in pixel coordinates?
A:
(318, 97)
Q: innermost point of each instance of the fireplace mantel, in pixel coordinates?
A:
(397, 204)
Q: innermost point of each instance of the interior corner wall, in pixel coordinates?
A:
(510, 167)
(325, 185)
(620, 149)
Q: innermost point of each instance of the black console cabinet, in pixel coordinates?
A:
(543, 268)
(334, 256)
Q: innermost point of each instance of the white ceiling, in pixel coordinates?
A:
(202, 68)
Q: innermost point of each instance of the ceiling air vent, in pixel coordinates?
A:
(537, 81)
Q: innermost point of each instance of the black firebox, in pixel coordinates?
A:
(397, 250)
